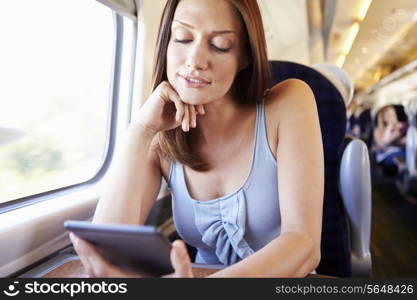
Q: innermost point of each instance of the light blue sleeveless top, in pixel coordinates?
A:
(227, 229)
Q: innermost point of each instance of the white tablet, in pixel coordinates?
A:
(138, 249)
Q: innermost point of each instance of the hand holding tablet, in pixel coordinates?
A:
(137, 249)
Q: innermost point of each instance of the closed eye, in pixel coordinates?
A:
(182, 41)
(220, 49)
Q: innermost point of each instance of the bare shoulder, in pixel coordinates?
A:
(289, 95)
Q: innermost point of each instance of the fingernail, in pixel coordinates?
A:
(178, 251)
(181, 250)
(176, 244)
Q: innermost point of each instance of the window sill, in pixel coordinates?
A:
(31, 233)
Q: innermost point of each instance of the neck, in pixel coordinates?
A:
(220, 122)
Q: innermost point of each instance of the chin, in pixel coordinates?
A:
(195, 101)
(193, 98)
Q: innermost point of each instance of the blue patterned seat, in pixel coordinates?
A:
(335, 250)
(366, 127)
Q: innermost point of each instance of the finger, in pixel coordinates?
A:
(179, 105)
(181, 260)
(186, 119)
(193, 116)
(78, 246)
(200, 109)
(94, 263)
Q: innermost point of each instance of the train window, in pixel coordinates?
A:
(56, 64)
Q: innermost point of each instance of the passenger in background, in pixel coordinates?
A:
(389, 141)
(352, 127)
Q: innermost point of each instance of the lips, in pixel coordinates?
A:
(195, 79)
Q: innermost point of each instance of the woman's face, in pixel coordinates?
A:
(389, 116)
(205, 51)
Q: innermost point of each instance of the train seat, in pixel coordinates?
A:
(366, 128)
(339, 242)
(356, 191)
(411, 145)
(354, 172)
(335, 250)
(408, 184)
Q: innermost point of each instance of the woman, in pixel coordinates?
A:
(390, 140)
(210, 129)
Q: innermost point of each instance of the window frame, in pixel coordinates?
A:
(115, 83)
(36, 229)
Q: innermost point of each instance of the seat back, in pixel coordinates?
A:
(355, 188)
(411, 150)
(411, 144)
(366, 128)
(335, 250)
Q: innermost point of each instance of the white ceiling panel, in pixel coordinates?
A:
(286, 27)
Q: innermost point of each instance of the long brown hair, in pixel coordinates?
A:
(249, 85)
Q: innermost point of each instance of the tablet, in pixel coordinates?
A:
(138, 249)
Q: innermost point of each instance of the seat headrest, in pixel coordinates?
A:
(330, 104)
(339, 78)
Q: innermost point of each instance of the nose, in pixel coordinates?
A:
(197, 57)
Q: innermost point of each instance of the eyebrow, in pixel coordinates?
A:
(216, 31)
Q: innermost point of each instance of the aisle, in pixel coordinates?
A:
(394, 231)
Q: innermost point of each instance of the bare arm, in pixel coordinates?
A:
(296, 252)
(134, 181)
(135, 178)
